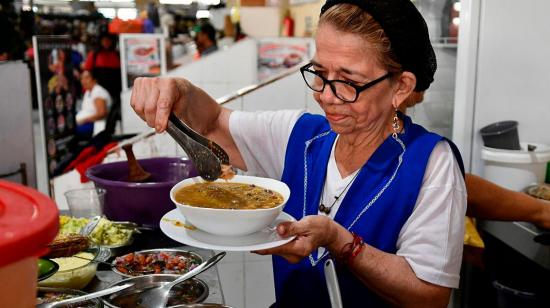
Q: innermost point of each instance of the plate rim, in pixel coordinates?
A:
(49, 273)
(199, 244)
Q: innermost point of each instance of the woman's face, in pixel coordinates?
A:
(346, 56)
(106, 42)
(87, 81)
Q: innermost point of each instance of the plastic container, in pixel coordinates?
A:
(508, 297)
(28, 222)
(87, 202)
(516, 170)
(142, 203)
(501, 135)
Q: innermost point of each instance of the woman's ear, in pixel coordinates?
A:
(404, 87)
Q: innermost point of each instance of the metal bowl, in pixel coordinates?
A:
(185, 253)
(95, 302)
(191, 291)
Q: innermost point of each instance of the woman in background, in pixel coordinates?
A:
(95, 104)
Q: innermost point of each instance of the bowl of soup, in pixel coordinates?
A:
(236, 207)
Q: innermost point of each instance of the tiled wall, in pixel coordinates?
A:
(247, 280)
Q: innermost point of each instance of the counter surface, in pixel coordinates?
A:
(520, 236)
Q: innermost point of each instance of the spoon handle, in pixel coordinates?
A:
(90, 226)
(197, 270)
(92, 295)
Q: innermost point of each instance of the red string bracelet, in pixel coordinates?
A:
(351, 250)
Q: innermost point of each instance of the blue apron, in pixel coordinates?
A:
(376, 207)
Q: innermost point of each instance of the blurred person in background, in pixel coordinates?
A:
(104, 62)
(90, 118)
(148, 26)
(205, 38)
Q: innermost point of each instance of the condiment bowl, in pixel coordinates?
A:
(191, 260)
(188, 292)
(77, 277)
(232, 222)
(49, 295)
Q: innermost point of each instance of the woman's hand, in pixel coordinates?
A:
(311, 233)
(153, 99)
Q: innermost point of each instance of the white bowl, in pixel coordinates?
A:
(231, 222)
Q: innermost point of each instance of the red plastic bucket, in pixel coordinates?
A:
(28, 222)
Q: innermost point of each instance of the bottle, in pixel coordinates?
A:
(288, 25)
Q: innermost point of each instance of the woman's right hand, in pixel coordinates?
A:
(153, 99)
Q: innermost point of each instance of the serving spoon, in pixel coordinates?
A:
(157, 297)
(135, 171)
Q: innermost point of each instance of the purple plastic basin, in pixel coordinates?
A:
(143, 203)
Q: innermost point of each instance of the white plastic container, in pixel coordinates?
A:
(516, 169)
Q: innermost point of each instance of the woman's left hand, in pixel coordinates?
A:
(311, 233)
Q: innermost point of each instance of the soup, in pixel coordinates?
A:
(221, 195)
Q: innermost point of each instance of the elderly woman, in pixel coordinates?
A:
(381, 195)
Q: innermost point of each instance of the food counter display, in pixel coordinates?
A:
(151, 239)
(147, 242)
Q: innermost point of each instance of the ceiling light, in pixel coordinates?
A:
(457, 6)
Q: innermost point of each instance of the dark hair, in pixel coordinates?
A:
(352, 19)
(405, 29)
(209, 30)
(111, 37)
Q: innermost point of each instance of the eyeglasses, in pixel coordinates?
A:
(344, 90)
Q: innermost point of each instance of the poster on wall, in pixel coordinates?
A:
(277, 55)
(142, 55)
(57, 89)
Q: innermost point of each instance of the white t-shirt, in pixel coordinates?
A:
(432, 238)
(88, 106)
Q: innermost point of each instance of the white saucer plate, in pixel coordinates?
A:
(173, 224)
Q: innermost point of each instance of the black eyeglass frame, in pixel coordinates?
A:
(358, 89)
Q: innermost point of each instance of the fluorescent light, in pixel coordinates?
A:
(182, 2)
(203, 14)
(457, 6)
(107, 12)
(127, 13)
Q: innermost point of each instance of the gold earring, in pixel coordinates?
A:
(395, 124)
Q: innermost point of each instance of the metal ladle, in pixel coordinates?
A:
(207, 156)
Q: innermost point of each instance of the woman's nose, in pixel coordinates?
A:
(328, 96)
